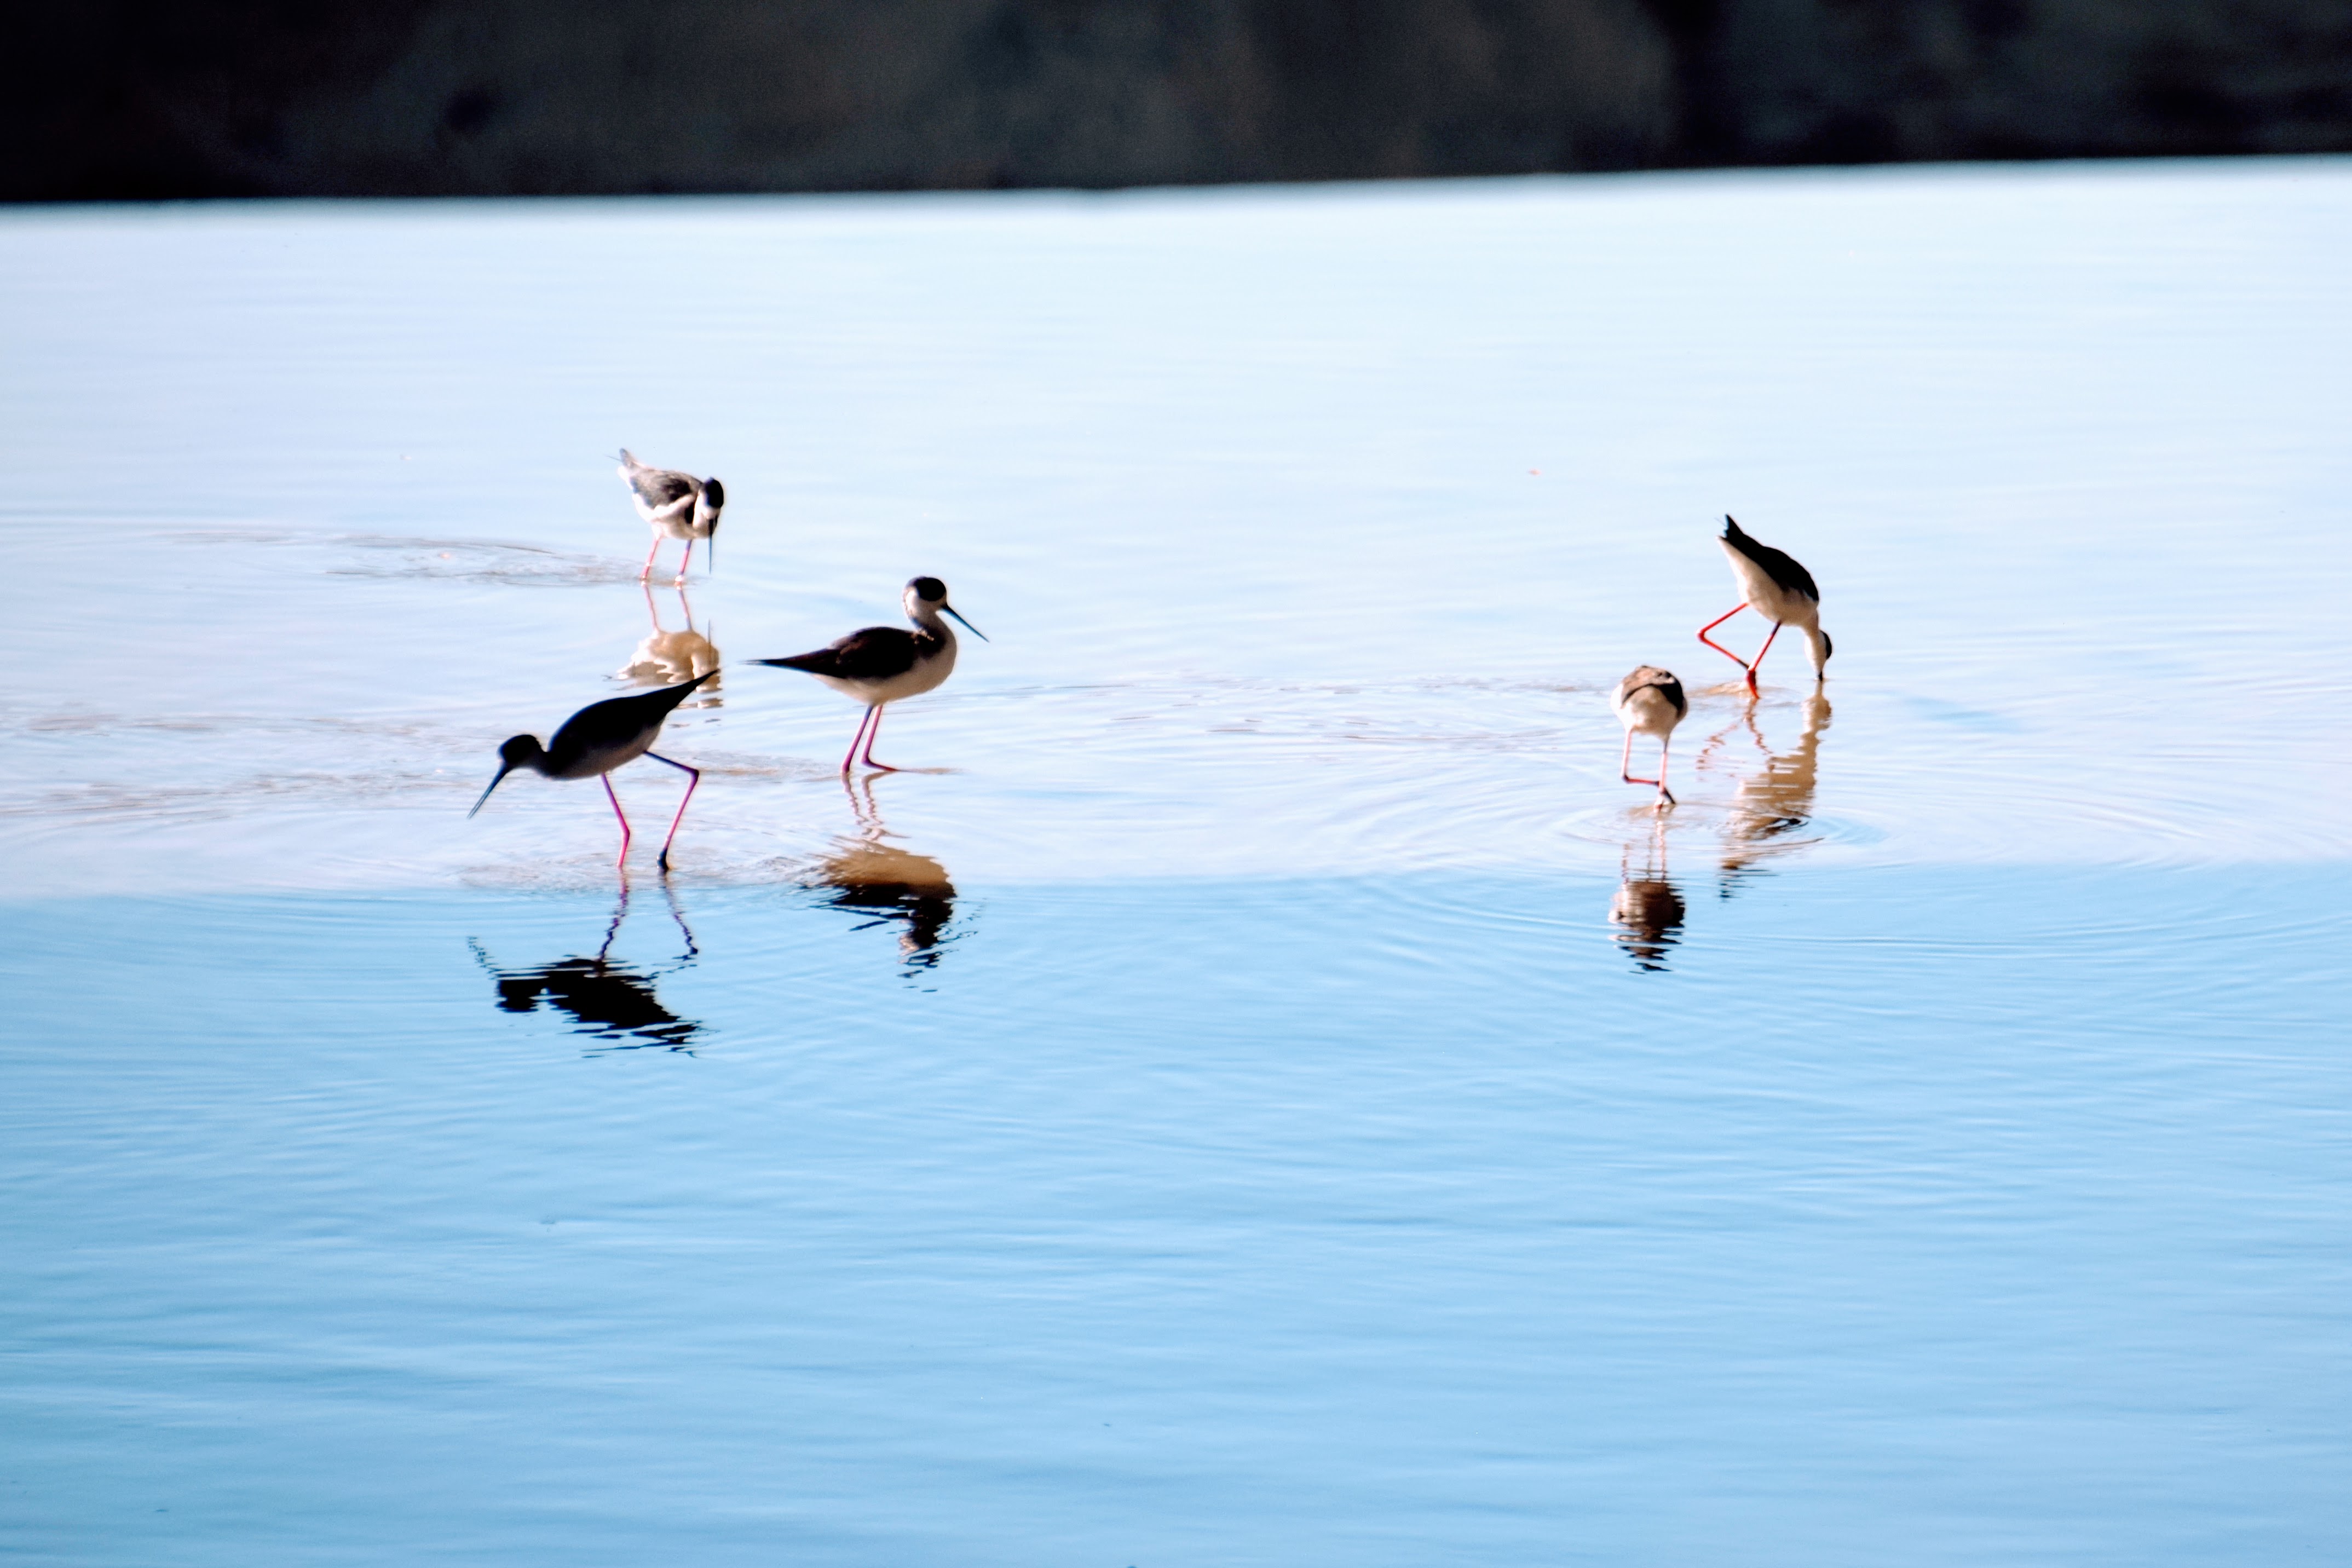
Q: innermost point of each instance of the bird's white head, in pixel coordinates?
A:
(926, 599)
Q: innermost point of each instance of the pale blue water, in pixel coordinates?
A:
(1274, 1097)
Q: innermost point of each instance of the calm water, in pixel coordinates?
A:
(1266, 1092)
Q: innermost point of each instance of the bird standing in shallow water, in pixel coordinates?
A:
(1775, 586)
(598, 739)
(882, 664)
(677, 505)
(1650, 701)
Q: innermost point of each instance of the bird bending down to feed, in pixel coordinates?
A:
(882, 664)
(678, 506)
(600, 738)
(1775, 587)
(1650, 701)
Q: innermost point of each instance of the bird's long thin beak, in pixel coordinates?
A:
(486, 794)
(950, 610)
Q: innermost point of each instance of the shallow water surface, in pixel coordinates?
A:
(1258, 1088)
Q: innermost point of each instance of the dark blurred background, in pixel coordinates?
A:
(115, 99)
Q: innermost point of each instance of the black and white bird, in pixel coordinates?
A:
(677, 506)
(1650, 701)
(598, 739)
(1773, 584)
(880, 665)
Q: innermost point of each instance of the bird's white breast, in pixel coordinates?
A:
(1766, 597)
(929, 669)
(1646, 711)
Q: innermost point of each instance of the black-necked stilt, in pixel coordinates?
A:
(598, 739)
(678, 506)
(880, 665)
(1775, 587)
(1649, 701)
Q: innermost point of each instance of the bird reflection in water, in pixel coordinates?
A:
(604, 998)
(1772, 807)
(667, 658)
(896, 886)
(1647, 908)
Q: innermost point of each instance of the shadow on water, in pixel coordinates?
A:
(1647, 906)
(668, 657)
(896, 886)
(1773, 807)
(606, 999)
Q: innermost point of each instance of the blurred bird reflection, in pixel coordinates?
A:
(897, 886)
(1771, 806)
(1647, 907)
(667, 658)
(604, 998)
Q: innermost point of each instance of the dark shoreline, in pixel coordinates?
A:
(137, 101)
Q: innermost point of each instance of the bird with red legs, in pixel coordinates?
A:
(1649, 701)
(880, 665)
(1777, 588)
(598, 739)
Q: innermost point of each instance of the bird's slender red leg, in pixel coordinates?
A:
(851, 760)
(624, 862)
(1665, 754)
(1716, 645)
(686, 561)
(870, 735)
(693, 777)
(1625, 762)
(1759, 658)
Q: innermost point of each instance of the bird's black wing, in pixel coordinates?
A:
(876, 653)
(659, 487)
(618, 719)
(1672, 691)
(1666, 686)
(1778, 565)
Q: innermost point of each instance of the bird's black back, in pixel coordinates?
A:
(1666, 686)
(616, 720)
(660, 487)
(1776, 564)
(876, 653)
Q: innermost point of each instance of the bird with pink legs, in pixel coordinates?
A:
(1649, 701)
(881, 665)
(676, 505)
(1773, 584)
(598, 739)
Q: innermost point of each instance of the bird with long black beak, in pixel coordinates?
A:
(1775, 587)
(1650, 701)
(880, 665)
(598, 739)
(677, 506)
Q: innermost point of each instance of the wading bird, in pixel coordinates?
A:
(1649, 701)
(678, 506)
(598, 739)
(880, 665)
(1775, 587)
